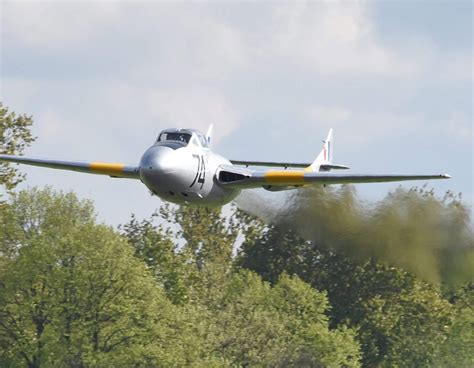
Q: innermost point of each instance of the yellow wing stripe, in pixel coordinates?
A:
(106, 168)
(284, 177)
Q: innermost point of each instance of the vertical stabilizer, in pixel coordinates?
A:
(325, 156)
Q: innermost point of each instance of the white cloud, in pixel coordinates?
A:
(55, 24)
(190, 43)
(334, 38)
(457, 67)
(193, 108)
(52, 126)
(456, 127)
(20, 90)
(183, 42)
(359, 128)
(327, 114)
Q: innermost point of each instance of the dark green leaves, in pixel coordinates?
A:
(15, 136)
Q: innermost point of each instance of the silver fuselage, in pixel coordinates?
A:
(185, 173)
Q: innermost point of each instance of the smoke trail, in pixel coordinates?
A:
(413, 229)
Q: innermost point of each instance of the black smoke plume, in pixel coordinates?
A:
(413, 229)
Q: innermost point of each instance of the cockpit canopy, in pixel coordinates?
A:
(168, 136)
(181, 138)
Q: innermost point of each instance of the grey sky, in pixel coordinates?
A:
(394, 79)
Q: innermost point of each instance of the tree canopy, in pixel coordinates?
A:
(165, 292)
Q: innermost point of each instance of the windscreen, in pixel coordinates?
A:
(180, 137)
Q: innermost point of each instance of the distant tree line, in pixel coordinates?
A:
(194, 287)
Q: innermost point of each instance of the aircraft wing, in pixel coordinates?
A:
(241, 178)
(115, 170)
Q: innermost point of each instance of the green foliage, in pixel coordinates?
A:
(407, 328)
(77, 293)
(190, 253)
(458, 348)
(243, 330)
(74, 294)
(236, 318)
(15, 135)
(156, 248)
(206, 242)
(169, 291)
(314, 344)
(255, 324)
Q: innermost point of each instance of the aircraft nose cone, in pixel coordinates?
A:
(157, 160)
(158, 169)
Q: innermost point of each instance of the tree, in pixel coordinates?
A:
(284, 325)
(458, 349)
(272, 251)
(401, 320)
(154, 246)
(15, 135)
(206, 240)
(74, 294)
(235, 319)
(405, 329)
(315, 344)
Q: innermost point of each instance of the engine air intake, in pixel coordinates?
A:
(230, 177)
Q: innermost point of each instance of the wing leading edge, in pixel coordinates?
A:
(115, 170)
(240, 178)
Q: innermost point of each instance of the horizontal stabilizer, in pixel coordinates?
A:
(271, 164)
(323, 167)
(327, 167)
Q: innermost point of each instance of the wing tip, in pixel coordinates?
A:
(445, 176)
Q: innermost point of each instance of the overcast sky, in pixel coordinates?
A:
(101, 79)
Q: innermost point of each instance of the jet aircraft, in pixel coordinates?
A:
(180, 167)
